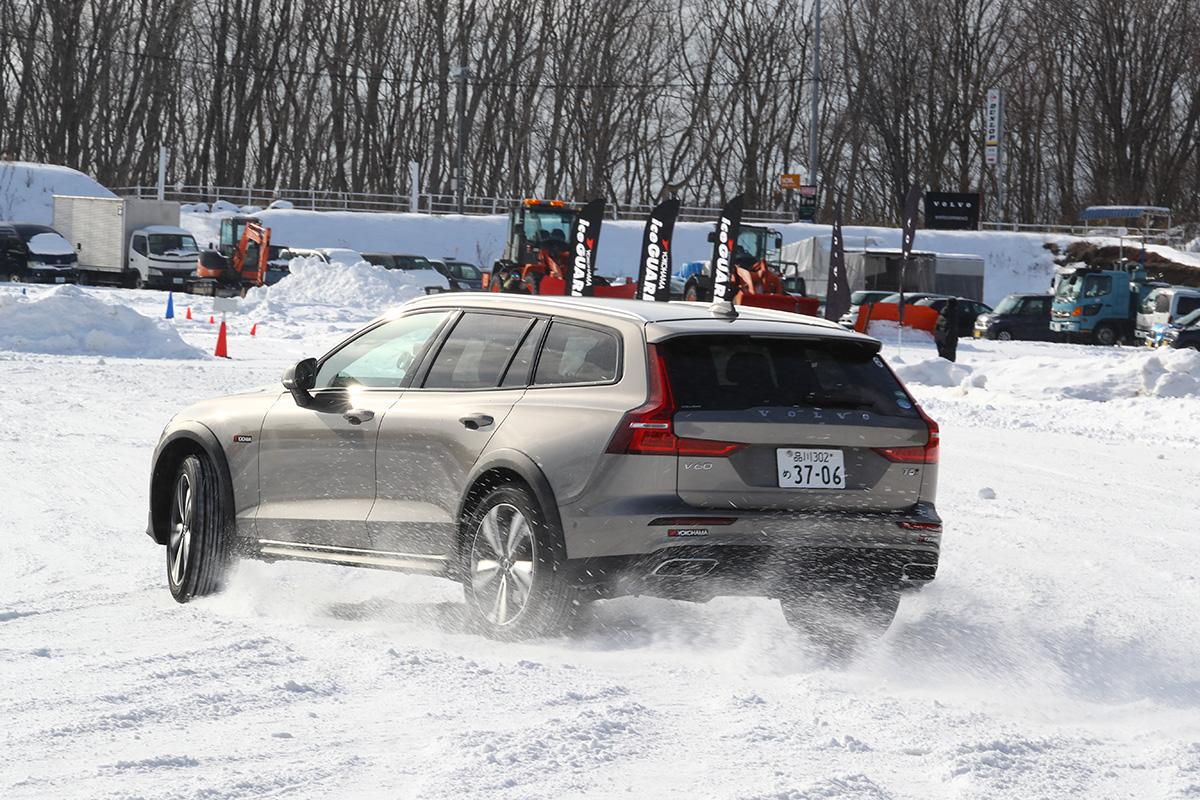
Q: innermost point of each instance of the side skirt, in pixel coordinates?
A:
(270, 549)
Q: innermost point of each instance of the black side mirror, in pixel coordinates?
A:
(299, 380)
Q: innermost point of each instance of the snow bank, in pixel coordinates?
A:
(27, 190)
(68, 321)
(357, 291)
(1107, 375)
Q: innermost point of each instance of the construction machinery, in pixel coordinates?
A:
(757, 275)
(239, 261)
(537, 253)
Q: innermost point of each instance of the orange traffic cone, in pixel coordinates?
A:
(189, 312)
(222, 350)
(254, 329)
(211, 319)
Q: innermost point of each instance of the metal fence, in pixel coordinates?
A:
(1170, 236)
(323, 200)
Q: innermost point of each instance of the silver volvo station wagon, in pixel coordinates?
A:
(547, 452)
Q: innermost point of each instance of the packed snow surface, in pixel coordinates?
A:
(1057, 655)
(27, 190)
(67, 320)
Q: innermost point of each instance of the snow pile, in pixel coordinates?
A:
(1098, 376)
(27, 190)
(932, 372)
(68, 321)
(361, 290)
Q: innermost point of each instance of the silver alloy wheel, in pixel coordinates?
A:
(1004, 336)
(502, 564)
(180, 543)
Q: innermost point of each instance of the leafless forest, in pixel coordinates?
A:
(630, 99)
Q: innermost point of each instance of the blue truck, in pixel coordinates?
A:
(1093, 305)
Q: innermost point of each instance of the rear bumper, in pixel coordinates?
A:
(701, 572)
(659, 528)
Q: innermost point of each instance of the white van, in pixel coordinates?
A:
(1163, 306)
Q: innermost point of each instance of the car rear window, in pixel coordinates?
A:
(728, 373)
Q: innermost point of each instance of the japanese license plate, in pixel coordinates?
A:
(811, 469)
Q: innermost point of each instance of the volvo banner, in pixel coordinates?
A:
(949, 211)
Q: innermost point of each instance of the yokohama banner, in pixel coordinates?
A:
(724, 241)
(585, 238)
(654, 276)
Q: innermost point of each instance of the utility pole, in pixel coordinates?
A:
(460, 75)
(813, 149)
(162, 173)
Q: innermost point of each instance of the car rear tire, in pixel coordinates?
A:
(514, 568)
(839, 619)
(198, 552)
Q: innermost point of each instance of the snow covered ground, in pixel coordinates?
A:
(1057, 655)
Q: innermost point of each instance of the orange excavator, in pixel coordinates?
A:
(537, 255)
(239, 261)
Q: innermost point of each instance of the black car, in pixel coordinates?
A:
(1018, 316)
(1184, 332)
(31, 252)
(968, 310)
(463, 277)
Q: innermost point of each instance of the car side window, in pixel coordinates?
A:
(522, 363)
(139, 245)
(1186, 305)
(1097, 286)
(382, 357)
(575, 354)
(1038, 307)
(477, 351)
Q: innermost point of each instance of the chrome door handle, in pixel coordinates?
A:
(474, 422)
(357, 416)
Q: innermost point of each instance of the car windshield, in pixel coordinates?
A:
(172, 244)
(465, 271)
(1009, 305)
(860, 297)
(909, 299)
(413, 262)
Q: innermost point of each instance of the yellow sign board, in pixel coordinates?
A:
(790, 180)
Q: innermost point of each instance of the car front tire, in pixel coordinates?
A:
(1004, 336)
(839, 619)
(514, 568)
(198, 556)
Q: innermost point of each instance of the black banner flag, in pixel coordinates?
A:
(837, 288)
(585, 238)
(906, 242)
(724, 244)
(654, 275)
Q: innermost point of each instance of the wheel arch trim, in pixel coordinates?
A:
(184, 437)
(524, 467)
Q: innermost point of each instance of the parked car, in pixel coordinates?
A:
(1183, 332)
(30, 253)
(330, 255)
(858, 300)
(1017, 316)
(547, 451)
(968, 310)
(462, 276)
(1160, 308)
(418, 268)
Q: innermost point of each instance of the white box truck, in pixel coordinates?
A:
(127, 240)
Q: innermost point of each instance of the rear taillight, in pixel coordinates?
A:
(921, 454)
(647, 429)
